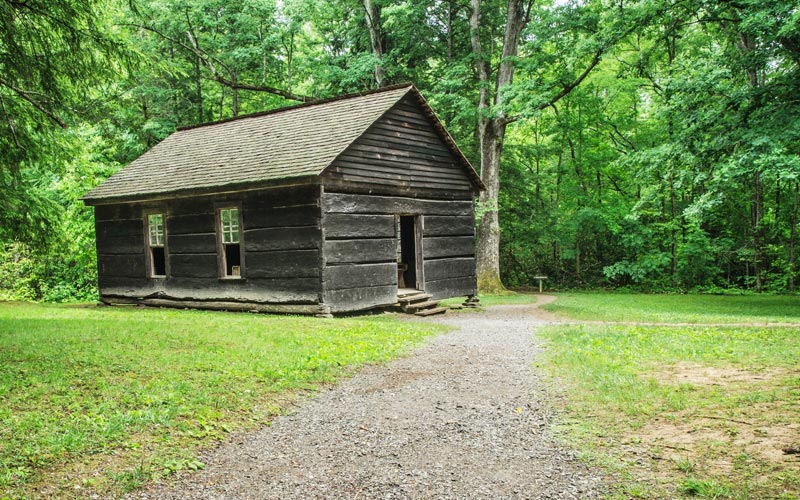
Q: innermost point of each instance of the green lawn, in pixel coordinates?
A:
(677, 411)
(678, 308)
(104, 399)
(495, 300)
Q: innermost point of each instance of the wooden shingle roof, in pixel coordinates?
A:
(294, 142)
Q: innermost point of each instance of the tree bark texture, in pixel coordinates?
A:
(756, 214)
(373, 17)
(793, 239)
(491, 133)
(235, 90)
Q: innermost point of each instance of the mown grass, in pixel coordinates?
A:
(487, 300)
(104, 399)
(683, 412)
(678, 308)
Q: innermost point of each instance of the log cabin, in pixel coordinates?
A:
(331, 206)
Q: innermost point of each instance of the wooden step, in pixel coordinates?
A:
(420, 305)
(413, 299)
(407, 292)
(430, 312)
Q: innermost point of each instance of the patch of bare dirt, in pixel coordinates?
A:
(718, 443)
(756, 435)
(698, 374)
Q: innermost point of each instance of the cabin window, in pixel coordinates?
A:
(230, 227)
(155, 244)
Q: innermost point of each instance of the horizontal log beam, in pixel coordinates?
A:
(317, 309)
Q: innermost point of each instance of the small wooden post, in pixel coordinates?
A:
(540, 279)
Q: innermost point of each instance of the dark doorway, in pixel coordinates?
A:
(233, 260)
(408, 252)
(158, 261)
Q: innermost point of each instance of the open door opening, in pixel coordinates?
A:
(409, 255)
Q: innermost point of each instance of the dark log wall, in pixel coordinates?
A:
(360, 248)
(402, 150)
(120, 244)
(449, 252)
(282, 241)
(404, 158)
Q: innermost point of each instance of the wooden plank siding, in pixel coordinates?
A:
(401, 149)
(359, 251)
(282, 248)
(360, 248)
(390, 205)
(449, 256)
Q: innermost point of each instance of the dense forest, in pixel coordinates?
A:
(645, 144)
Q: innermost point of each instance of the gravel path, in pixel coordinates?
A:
(462, 417)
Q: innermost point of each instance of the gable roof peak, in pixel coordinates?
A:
(293, 142)
(292, 107)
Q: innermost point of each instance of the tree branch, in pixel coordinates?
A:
(616, 186)
(592, 64)
(10, 123)
(209, 61)
(527, 15)
(571, 86)
(27, 96)
(619, 133)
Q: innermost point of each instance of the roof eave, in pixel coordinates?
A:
(303, 180)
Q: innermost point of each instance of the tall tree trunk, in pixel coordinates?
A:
(235, 89)
(198, 89)
(747, 45)
(289, 61)
(450, 30)
(148, 136)
(197, 62)
(537, 164)
(488, 231)
(491, 133)
(222, 101)
(554, 206)
(491, 127)
(671, 36)
(673, 232)
(373, 17)
(793, 239)
(599, 182)
(756, 211)
(576, 163)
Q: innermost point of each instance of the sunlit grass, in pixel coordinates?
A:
(677, 308)
(153, 384)
(486, 300)
(672, 404)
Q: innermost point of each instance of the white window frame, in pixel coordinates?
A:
(160, 242)
(225, 228)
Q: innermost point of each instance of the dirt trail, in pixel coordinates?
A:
(543, 315)
(462, 417)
